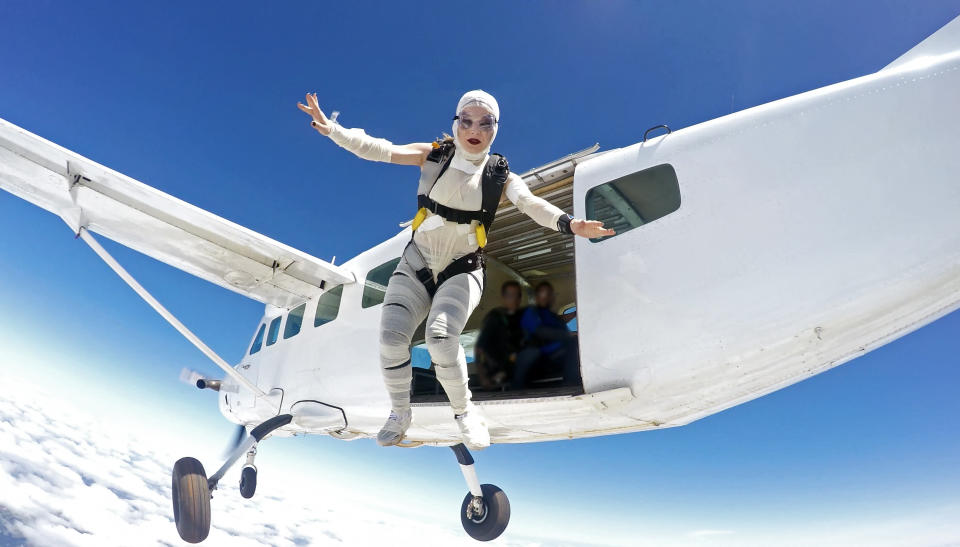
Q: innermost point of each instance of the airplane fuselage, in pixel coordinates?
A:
(810, 230)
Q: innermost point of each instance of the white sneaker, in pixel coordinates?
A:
(473, 428)
(395, 428)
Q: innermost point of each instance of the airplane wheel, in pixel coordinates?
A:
(492, 521)
(248, 481)
(191, 500)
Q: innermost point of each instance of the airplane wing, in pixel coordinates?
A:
(86, 194)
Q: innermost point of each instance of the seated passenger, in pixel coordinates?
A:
(500, 337)
(548, 342)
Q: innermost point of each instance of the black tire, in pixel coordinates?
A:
(191, 500)
(495, 517)
(248, 481)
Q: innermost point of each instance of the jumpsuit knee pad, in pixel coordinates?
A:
(394, 348)
(404, 306)
(443, 345)
(447, 353)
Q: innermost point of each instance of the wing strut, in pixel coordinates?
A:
(83, 234)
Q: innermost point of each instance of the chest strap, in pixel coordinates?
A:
(454, 215)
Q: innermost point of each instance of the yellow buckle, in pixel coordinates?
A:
(418, 219)
(481, 235)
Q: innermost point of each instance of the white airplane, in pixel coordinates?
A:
(752, 251)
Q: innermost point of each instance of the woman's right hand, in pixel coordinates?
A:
(319, 121)
(400, 154)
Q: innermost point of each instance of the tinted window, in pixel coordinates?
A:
(294, 320)
(274, 331)
(258, 341)
(375, 286)
(572, 323)
(328, 306)
(634, 200)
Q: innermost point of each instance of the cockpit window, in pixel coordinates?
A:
(328, 306)
(294, 320)
(258, 341)
(274, 331)
(634, 200)
(375, 286)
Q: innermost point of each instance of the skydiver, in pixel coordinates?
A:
(441, 272)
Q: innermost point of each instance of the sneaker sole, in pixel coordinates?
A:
(391, 442)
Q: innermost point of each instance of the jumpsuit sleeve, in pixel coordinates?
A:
(540, 210)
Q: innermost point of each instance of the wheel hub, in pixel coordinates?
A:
(477, 510)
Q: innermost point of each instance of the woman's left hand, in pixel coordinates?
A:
(589, 228)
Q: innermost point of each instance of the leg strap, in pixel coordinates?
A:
(464, 264)
(426, 277)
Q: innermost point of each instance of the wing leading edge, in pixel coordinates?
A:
(85, 193)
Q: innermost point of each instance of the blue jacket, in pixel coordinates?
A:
(549, 339)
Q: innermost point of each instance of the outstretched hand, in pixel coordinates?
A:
(589, 228)
(319, 121)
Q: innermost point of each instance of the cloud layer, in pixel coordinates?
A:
(66, 479)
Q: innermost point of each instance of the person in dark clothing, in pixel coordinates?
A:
(500, 337)
(548, 341)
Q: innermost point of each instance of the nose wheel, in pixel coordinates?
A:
(485, 511)
(248, 476)
(248, 481)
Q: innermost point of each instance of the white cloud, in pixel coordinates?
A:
(709, 533)
(66, 479)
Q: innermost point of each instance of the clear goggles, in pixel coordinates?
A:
(484, 123)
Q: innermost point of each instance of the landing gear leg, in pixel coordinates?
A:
(256, 435)
(192, 489)
(485, 512)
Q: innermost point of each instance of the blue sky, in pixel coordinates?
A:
(199, 101)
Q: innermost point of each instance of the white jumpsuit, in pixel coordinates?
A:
(436, 243)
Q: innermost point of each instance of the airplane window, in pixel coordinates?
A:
(634, 199)
(375, 286)
(258, 341)
(274, 331)
(571, 323)
(294, 320)
(328, 306)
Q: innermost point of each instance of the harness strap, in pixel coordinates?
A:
(459, 216)
(464, 264)
(495, 174)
